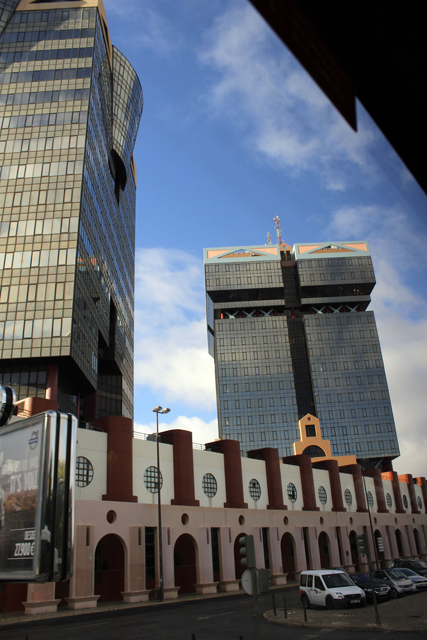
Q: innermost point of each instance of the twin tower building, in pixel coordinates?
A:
(289, 328)
(291, 335)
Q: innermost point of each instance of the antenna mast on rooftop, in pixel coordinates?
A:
(278, 229)
(268, 237)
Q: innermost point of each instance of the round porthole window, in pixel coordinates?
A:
(254, 489)
(388, 500)
(348, 497)
(370, 499)
(292, 492)
(419, 503)
(209, 485)
(84, 471)
(152, 476)
(405, 501)
(323, 496)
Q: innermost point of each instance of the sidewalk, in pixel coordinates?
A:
(404, 614)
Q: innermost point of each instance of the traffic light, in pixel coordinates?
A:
(247, 550)
(380, 544)
(362, 543)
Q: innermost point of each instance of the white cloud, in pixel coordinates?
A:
(284, 116)
(170, 328)
(147, 26)
(203, 432)
(398, 253)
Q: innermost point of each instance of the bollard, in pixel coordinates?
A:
(305, 610)
(193, 636)
(274, 604)
(284, 608)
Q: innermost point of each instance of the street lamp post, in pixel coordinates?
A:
(160, 593)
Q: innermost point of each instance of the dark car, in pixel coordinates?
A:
(362, 580)
(419, 566)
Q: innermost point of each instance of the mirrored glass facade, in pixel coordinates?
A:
(290, 334)
(70, 106)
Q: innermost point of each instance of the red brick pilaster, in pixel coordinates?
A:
(307, 481)
(407, 479)
(421, 482)
(392, 475)
(335, 481)
(274, 479)
(359, 488)
(232, 470)
(183, 467)
(119, 458)
(379, 488)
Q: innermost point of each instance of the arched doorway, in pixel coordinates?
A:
(287, 547)
(324, 550)
(110, 568)
(239, 568)
(399, 542)
(417, 542)
(354, 552)
(184, 556)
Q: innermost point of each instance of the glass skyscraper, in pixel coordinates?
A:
(70, 106)
(290, 333)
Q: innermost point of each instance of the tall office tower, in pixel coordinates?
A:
(70, 107)
(290, 334)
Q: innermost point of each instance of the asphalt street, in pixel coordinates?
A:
(225, 618)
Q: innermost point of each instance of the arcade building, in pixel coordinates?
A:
(304, 512)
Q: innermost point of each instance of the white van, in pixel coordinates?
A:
(330, 588)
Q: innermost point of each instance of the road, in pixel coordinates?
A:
(227, 618)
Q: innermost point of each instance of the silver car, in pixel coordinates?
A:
(419, 581)
(396, 580)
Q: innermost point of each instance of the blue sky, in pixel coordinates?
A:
(233, 133)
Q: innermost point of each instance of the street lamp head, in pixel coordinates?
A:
(157, 409)
(165, 410)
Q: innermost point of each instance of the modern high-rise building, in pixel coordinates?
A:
(70, 106)
(290, 333)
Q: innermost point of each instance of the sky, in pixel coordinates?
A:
(234, 132)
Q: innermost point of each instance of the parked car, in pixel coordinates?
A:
(396, 580)
(419, 581)
(329, 588)
(362, 580)
(419, 566)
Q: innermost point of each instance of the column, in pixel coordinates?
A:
(226, 561)
(205, 583)
(335, 482)
(313, 547)
(119, 458)
(423, 484)
(307, 481)
(277, 576)
(232, 471)
(135, 575)
(183, 467)
(170, 589)
(82, 584)
(408, 480)
(359, 488)
(335, 552)
(379, 488)
(392, 475)
(274, 479)
(300, 559)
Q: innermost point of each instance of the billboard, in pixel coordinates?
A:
(37, 472)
